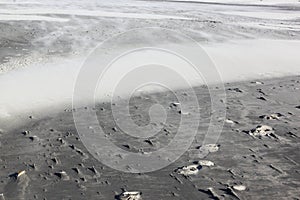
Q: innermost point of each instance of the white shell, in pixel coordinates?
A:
(259, 83)
(229, 121)
(133, 195)
(189, 170)
(210, 148)
(239, 187)
(262, 130)
(206, 163)
(21, 173)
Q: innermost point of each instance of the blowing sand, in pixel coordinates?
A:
(254, 45)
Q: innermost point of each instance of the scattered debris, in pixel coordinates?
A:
(239, 187)
(235, 90)
(134, 195)
(262, 130)
(211, 148)
(189, 170)
(206, 163)
(258, 82)
(275, 116)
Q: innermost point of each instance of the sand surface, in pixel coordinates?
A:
(254, 45)
(266, 165)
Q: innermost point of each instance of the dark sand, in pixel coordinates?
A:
(268, 165)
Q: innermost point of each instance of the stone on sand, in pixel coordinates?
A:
(189, 170)
(206, 163)
(211, 148)
(262, 130)
(62, 175)
(239, 187)
(275, 116)
(133, 195)
(21, 173)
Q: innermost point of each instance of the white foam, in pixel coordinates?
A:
(255, 59)
(4, 17)
(265, 15)
(92, 13)
(254, 2)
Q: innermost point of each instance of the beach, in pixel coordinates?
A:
(236, 127)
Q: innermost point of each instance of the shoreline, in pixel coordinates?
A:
(19, 120)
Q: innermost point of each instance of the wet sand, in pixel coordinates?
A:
(250, 162)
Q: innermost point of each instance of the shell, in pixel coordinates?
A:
(206, 163)
(211, 148)
(133, 195)
(189, 170)
(262, 130)
(21, 173)
(239, 187)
